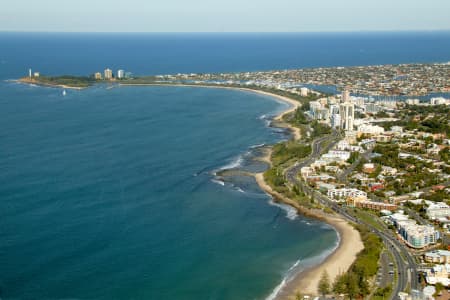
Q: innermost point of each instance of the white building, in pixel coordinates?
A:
(438, 101)
(344, 193)
(347, 113)
(306, 171)
(346, 96)
(120, 74)
(370, 129)
(438, 273)
(412, 101)
(438, 257)
(345, 145)
(314, 109)
(335, 117)
(417, 236)
(108, 74)
(388, 171)
(304, 92)
(336, 155)
(438, 210)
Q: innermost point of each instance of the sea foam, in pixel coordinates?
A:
(290, 274)
(291, 213)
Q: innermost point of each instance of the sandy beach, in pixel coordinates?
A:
(343, 256)
(338, 262)
(350, 243)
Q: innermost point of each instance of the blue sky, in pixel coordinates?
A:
(223, 16)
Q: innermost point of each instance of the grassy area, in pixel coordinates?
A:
(72, 81)
(382, 293)
(368, 217)
(275, 178)
(285, 151)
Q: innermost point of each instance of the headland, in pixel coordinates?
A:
(65, 82)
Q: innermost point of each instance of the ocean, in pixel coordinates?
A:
(111, 193)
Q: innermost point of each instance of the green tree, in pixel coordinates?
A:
(439, 287)
(324, 284)
(352, 286)
(340, 284)
(298, 296)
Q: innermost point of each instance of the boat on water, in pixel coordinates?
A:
(64, 93)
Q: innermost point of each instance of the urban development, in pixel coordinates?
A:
(371, 145)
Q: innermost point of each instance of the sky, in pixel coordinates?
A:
(223, 16)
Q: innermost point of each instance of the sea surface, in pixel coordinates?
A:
(111, 193)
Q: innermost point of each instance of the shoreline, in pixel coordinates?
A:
(279, 118)
(32, 81)
(349, 241)
(337, 262)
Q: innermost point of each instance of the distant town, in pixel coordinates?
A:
(382, 80)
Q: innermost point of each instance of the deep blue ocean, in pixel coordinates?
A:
(110, 193)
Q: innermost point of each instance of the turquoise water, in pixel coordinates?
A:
(111, 194)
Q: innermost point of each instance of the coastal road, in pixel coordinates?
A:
(316, 150)
(406, 264)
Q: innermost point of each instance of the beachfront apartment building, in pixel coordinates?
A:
(362, 202)
(414, 235)
(120, 74)
(417, 236)
(108, 74)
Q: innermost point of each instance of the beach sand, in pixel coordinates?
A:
(350, 244)
(338, 262)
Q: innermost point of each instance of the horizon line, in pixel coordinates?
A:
(236, 32)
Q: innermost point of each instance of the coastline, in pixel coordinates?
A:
(338, 262)
(340, 259)
(293, 104)
(32, 81)
(350, 243)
